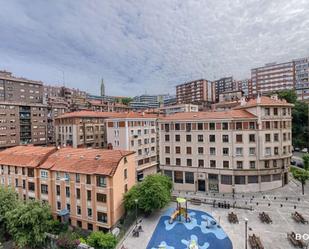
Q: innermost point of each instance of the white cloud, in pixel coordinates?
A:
(145, 45)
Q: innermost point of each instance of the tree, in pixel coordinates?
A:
(126, 101)
(8, 201)
(130, 197)
(68, 240)
(306, 161)
(289, 95)
(302, 176)
(28, 223)
(101, 240)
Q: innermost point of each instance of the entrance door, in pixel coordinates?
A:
(285, 178)
(213, 183)
(201, 185)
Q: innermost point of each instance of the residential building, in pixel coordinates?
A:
(302, 78)
(222, 85)
(200, 92)
(22, 123)
(170, 100)
(167, 110)
(246, 87)
(146, 101)
(136, 132)
(82, 186)
(15, 89)
(105, 106)
(273, 77)
(240, 150)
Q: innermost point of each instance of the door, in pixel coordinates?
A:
(201, 186)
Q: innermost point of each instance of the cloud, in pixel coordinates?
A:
(148, 46)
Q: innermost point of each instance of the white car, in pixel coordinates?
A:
(305, 150)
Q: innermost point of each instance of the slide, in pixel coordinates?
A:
(174, 216)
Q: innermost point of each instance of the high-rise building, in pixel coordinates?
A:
(246, 87)
(302, 78)
(146, 101)
(223, 85)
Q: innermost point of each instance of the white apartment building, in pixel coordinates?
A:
(240, 150)
(172, 109)
(136, 132)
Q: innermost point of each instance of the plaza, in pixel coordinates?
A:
(279, 204)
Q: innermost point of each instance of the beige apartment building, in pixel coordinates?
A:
(240, 150)
(82, 186)
(136, 132)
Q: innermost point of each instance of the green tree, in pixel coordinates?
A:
(289, 95)
(126, 101)
(302, 176)
(130, 197)
(28, 223)
(8, 201)
(306, 161)
(100, 240)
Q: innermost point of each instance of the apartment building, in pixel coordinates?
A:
(105, 106)
(273, 77)
(240, 150)
(146, 101)
(22, 123)
(223, 85)
(302, 78)
(200, 92)
(82, 129)
(82, 186)
(167, 110)
(15, 89)
(136, 132)
(246, 87)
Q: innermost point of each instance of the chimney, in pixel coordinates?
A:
(258, 99)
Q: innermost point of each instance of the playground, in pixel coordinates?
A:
(181, 227)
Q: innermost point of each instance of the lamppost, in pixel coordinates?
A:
(246, 231)
(136, 202)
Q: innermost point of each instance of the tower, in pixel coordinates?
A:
(102, 88)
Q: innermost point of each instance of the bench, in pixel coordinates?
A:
(232, 217)
(265, 218)
(299, 218)
(255, 242)
(295, 242)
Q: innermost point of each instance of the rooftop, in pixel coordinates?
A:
(265, 101)
(230, 114)
(85, 161)
(30, 156)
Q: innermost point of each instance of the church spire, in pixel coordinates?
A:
(102, 88)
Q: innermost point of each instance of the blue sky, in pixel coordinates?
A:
(148, 46)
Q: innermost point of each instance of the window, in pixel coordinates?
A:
(77, 178)
(89, 212)
(88, 195)
(200, 126)
(101, 181)
(212, 151)
(267, 137)
(225, 151)
(189, 162)
(225, 126)
(44, 174)
(167, 127)
(252, 151)
(177, 138)
(78, 193)
(266, 164)
(88, 179)
(200, 138)
(200, 150)
(276, 150)
(167, 149)
(276, 124)
(30, 172)
(267, 151)
(275, 163)
(238, 125)
(226, 164)
(67, 191)
(275, 111)
(168, 173)
(178, 176)
(188, 138)
(58, 189)
(212, 163)
(31, 186)
(251, 125)
(201, 163)
(239, 151)
(276, 177)
(102, 217)
(167, 161)
(212, 126)
(125, 174)
(252, 164)
(188, 127)
(276, 137)
(101, 197)
(267, 125)
(44, 189)
(240, 180)
(189, 150)
(265, 178)
(189, 177)
(239, 164)
(178, 161)
(239, 138)
(267, 111)
(58, 205)
(226, 179)
(212, 138)
(177, 149)
(24, 184)
(177, 126)
(251, 138)
(78, 210)
(225, 138)
(167, 138)
(79, 223)
(253, 179)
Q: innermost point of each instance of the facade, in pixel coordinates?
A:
(146, 101)
(224, 85)
(243, 150)
(136, 132)
(105, 106)
(273, 77)
(246, 87)
(22, 123)
(302, 78)
(200, 92)
(14, 89)
(167, 110)
(82, 186)
(170, 100)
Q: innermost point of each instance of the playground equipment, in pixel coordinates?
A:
(193, 245)
(180, 211)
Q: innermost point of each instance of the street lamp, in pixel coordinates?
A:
(246, 231)
(136, 202)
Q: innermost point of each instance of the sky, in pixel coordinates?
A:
(147, 46)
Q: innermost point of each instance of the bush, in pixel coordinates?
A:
(68, 240)
(100, 240)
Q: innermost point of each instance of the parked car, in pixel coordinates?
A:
(300, 164)
(293, 162)
(305, 150)
(296, 149)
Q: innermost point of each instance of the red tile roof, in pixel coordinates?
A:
(265, 101)
(93, 114)
(230, 114)
(85, 161)
(25, 156)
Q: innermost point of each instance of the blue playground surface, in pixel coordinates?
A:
(180, 234)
